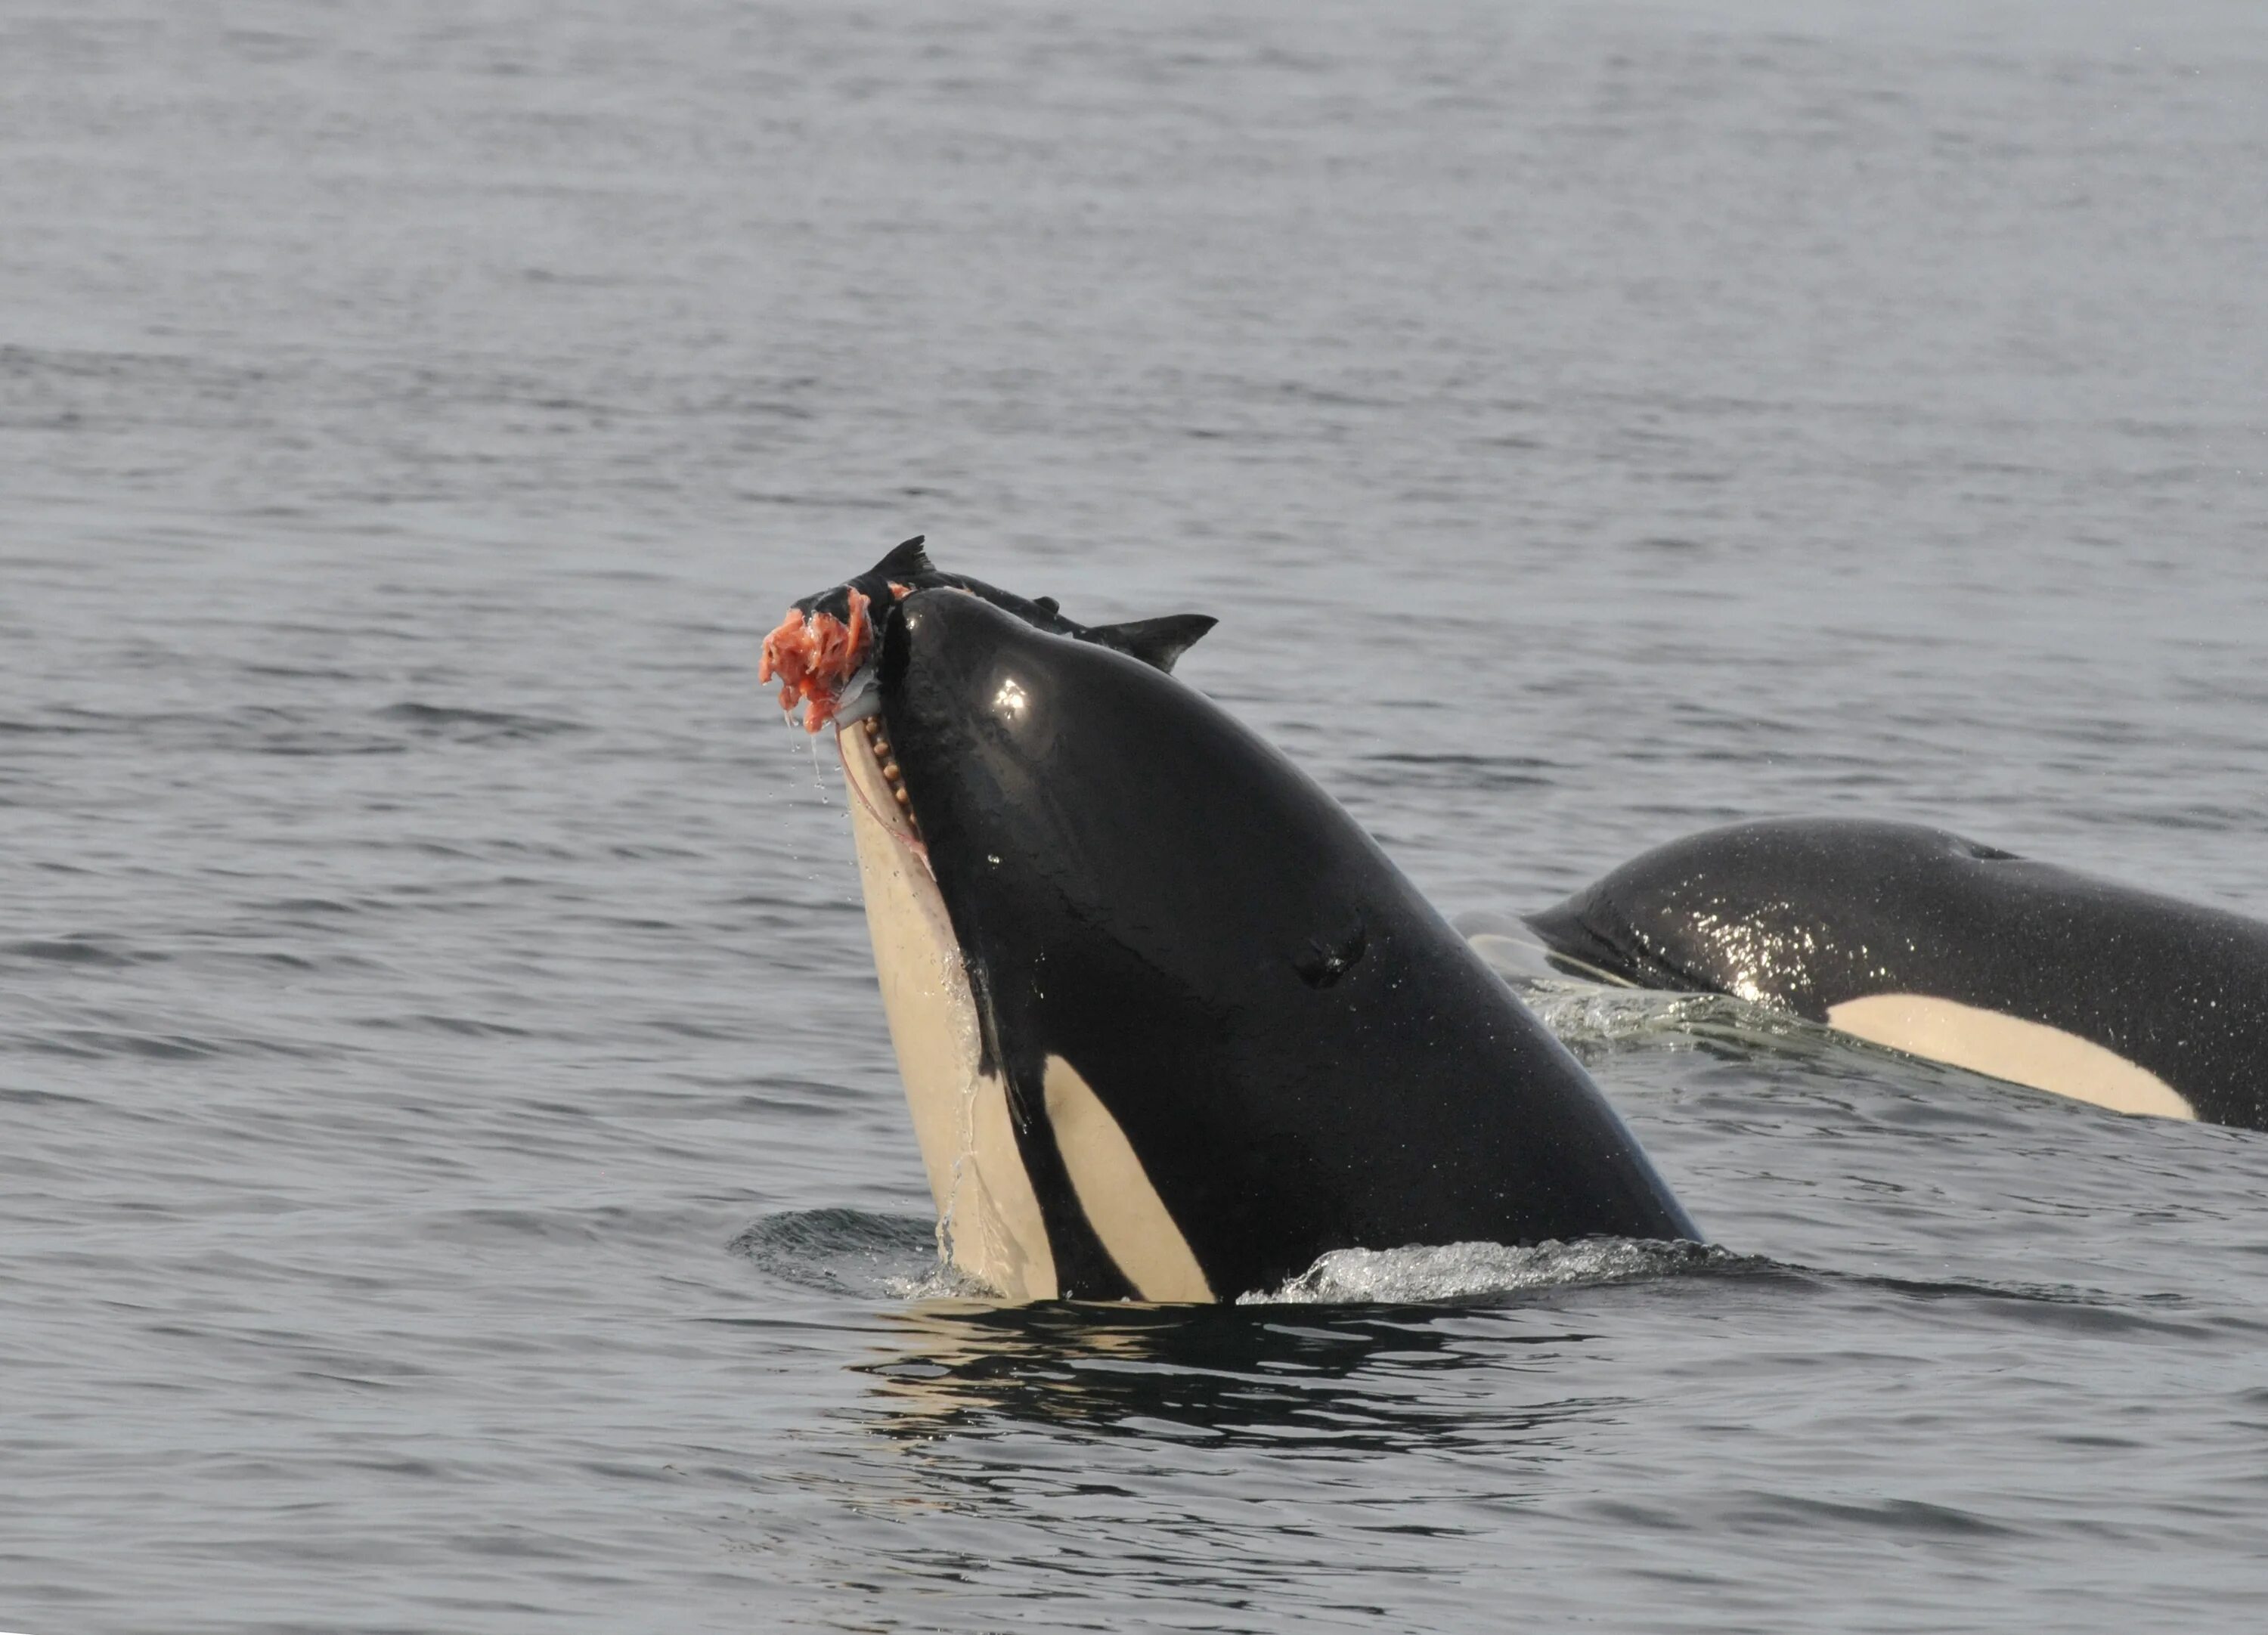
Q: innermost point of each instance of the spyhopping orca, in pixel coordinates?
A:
(1171, 1025)
(1930, 943)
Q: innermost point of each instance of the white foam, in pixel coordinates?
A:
(941, 1281)
(1430, 1273)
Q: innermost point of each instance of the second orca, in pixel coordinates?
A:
(1923, 941)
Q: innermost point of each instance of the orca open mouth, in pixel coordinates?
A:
(826, 656)
(876, 780)
(826, 653)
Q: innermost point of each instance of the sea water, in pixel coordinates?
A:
(452, 1173)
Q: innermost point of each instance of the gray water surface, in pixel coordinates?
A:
(452, 1175)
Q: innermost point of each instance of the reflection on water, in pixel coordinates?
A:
(1148, 1462)
(1333, 1384)
(1501, 1371)
(1116, 1466)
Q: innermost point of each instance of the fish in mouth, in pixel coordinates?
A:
(821, 653)
(1172, 1026)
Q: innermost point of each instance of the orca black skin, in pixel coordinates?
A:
(1938, 945)
(1216, 1008)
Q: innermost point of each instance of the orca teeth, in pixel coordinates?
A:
(870, 722)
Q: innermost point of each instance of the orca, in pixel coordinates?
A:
(1924, 942)
(1171, 1025)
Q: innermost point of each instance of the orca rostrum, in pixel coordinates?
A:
(1171, 1025)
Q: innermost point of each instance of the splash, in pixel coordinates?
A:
(1433, 1273)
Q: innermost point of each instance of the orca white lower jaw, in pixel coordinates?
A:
(989, 1221)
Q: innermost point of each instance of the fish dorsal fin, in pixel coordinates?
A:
(1158, 641)
(1047, 605)
(906, 561)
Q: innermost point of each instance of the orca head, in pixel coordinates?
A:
(949, 704)
(1171, 1024)
(1020, 874)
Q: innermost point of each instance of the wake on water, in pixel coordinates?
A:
(847, 1251)
(895, 1259)
(1433, 1274)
